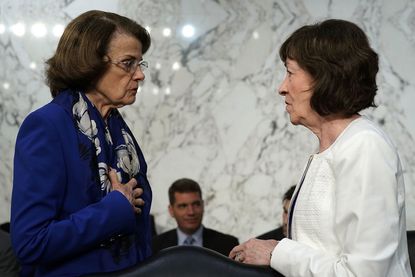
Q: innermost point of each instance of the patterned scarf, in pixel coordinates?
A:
(89, 122)
(110, 144)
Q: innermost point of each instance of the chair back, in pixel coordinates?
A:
(190, 261)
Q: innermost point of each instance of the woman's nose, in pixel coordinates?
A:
(282, 90)
(139, 74)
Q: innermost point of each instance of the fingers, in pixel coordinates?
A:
(112, 174)
(256, 251)
(129, 190)
(239, 257)
(138, 202)
(235, 251)
(132, 183)
(137, 210)
(137, 192)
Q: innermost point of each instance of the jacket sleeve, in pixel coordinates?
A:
(40, 186)
(368, 201)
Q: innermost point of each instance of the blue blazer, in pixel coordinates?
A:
(60, 223)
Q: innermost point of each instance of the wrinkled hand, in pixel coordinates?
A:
(254, 251)
(129, 190)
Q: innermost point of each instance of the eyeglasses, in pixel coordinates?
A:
(131, 65)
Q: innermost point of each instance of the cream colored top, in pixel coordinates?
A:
(349, 217)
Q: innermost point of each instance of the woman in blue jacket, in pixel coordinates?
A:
(81, 198)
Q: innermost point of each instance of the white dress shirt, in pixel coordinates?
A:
(349, 216)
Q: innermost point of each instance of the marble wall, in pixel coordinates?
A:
(209, 109)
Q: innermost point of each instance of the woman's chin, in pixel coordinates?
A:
(129, 100)
(294, 120)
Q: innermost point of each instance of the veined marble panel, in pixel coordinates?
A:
(209, 109)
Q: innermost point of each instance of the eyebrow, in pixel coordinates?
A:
(134, 57)
(191, 203)
(130, 56)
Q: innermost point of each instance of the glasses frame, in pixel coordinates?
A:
(130, 65)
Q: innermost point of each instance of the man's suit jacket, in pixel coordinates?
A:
(9, 265)
(212, 239)
(276, 234)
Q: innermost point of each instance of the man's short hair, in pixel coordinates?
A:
(289, 193)
(181, 186)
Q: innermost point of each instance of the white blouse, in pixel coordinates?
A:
(349, 215)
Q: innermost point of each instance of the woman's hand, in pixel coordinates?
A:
(129, 190)
(254, 251)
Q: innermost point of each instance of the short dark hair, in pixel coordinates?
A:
(183, 185)
(337, 54)
(289, 193)
(79, 58)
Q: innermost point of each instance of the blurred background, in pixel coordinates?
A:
(209, 108)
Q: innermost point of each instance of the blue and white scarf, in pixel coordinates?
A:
(110, 144)
(90, 123)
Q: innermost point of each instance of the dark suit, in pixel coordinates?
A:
(9, 266)
(212, 239)
(273, 234)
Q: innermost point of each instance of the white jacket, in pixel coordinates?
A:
(349, 215)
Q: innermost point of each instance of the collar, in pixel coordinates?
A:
(198, 236)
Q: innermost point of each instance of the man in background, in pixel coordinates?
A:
(281, 232)
(187, 208)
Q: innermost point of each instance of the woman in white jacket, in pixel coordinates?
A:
(347, 214)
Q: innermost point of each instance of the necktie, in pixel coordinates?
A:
(189, 241)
